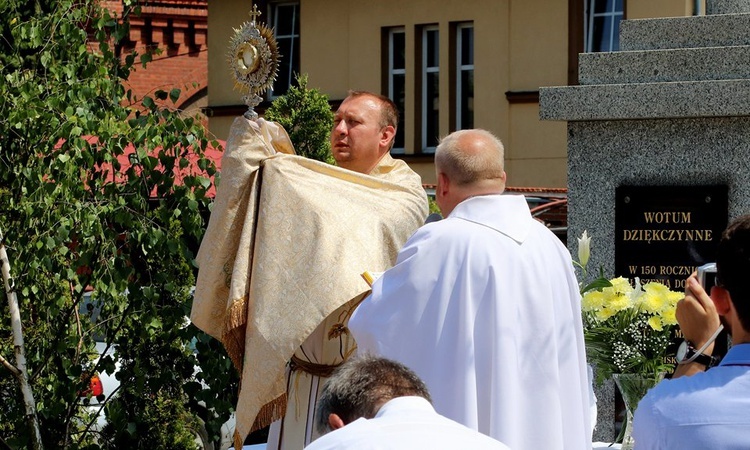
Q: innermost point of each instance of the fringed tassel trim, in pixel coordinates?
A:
(235, 328)
(270, 412)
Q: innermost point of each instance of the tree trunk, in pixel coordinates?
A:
(22, 374)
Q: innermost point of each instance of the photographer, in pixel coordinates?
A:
(700, 408)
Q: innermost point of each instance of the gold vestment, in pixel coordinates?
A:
(285, 246)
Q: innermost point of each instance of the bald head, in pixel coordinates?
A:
(470, 157)
(468, 163)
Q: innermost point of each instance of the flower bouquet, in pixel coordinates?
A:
(627, 326)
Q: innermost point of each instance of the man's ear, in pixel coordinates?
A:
(335, 422)
(721, 299)
(443, 184)
(387, 136)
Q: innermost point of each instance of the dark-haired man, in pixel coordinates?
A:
(699, 408)
(375, 403)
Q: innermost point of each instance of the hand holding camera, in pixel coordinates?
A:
(696, 313)
(707, 276)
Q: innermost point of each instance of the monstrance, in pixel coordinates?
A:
(254, 58)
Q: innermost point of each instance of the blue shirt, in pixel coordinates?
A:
(709, 410)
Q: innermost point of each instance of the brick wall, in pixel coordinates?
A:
(179, 29)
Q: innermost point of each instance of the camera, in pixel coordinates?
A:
(707, 276)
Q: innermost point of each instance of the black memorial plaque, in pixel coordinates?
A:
(663, 233)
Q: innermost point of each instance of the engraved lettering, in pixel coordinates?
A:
(653, 235)
(666, 216)
(676, 270)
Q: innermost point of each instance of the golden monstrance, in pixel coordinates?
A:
(254, 58)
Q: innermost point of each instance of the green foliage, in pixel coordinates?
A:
(67, 126)
(167, 425)
(434, 208)
(306, 115)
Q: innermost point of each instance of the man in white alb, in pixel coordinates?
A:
(484, 307)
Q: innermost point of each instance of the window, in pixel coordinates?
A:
(430, 88)
(420, 131)
(397, 81)
(285, 22)
(464, 76)
(602, 25)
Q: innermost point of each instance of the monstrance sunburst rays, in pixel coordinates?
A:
(254, 59)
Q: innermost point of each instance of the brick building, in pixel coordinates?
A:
(178, 28)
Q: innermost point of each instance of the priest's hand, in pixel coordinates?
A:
(274, 135)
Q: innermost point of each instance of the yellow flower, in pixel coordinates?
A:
(655, 323)
(620, 285)
(618, 296)
(652, 302)
(669, 317)
(584, 248)
(658, 299)
(620, 302)
(604, 314)
(656, 288)
(592, 301)
(674, 297)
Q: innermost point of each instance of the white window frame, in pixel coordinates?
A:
(460, 69)
(274, 10)
(392, 72)
(589, 8)
(425, 71)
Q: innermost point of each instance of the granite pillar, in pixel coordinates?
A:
(671, 108)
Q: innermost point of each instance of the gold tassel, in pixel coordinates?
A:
(233, 336)
(238, 440)
(270, 412)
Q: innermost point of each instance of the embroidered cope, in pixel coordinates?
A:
(285, 246)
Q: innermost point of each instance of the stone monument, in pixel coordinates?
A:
(658, 130)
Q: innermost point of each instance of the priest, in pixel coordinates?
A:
(484, 307)
(280, 263)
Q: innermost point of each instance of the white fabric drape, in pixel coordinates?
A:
(484, 307)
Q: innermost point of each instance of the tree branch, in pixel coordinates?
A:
(13, 369)
(16, 328)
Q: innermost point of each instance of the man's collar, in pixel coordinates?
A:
(413, 403)
(738, 355)
(511, 221)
